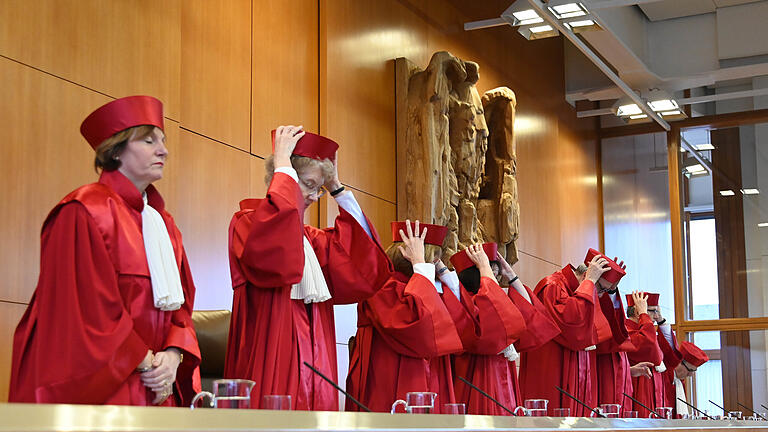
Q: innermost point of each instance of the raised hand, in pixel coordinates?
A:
(504, 267)
(333, 183)
(286, 138)
(413, 244)
(477, 255)
(641, 302)
(596, 268)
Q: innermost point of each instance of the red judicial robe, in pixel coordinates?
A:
(271, 335)
(672, 359)
(646, 390)
(400, 331)
(563, 361)
(92, 317)
(488, 322)
(613, 375)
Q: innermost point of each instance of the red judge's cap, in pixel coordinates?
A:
(119, 115)
(614, 273)
(435, 233)
(692, 354)
(313, 146)
(461, 261)
(653, 299)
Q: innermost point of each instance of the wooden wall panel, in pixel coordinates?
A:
(531, 269)
(117, 48)
(10, 314)
(44, 158)
(204, 197)
(378, 211)
(216, 69)
(284, 71)
(362, 39)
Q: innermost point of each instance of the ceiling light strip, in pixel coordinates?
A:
(542, 10)
(695, 153)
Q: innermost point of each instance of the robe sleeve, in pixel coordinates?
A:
(644, 340)
(86, 347)
(611, 326)
(353, 263)
(671, 355)
(573, 314)
(539, 327)
(267, 240)
(412, 319)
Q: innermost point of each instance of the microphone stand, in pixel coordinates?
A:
(697, 410)
(642, 405)
(580, 402)
(474, 387)
(330, 381)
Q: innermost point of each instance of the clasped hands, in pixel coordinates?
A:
(158, 372)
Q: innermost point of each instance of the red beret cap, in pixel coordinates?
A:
(614, 273)
(313, 146)
(435, 233)
(692, 354)
(653, 299)
(461, 261)
(119, 115)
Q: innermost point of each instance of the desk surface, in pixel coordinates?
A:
(29, 417)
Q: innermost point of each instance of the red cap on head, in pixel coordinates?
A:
(614, 273)
(435, 233)
(692, 354)
(461, 261)
(119, 115)
(313, 146)
(653, 299)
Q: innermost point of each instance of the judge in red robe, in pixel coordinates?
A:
(404, 327)
(568, 361)
(287, 276)
(640, 308)
(681, 360)
(489, 325)
(109, 322)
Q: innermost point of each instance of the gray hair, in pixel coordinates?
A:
(580, 269)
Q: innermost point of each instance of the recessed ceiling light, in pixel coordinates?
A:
(727, 192)
(750, 191)
(582, 23)
(629, 109)
(702, 147)
(528, 16)
(638, 116)
(568, 10)
(541, 29)
(763, 224)
(695, 169)
(670, 113)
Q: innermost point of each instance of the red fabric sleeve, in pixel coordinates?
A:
(267, 240)
(539, 327)
(497, 321)
(612, 331)
(412, 319)
(86, 347)
(354, 263)
(644, 340)
(573, 314)
(671, 355)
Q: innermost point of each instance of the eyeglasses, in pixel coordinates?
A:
(686, 366)
(317, 191)
(651, 311)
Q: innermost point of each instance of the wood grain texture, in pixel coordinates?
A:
(117, 48)
(216, 69)
(10, 314)
(284, 71)
(378, 211)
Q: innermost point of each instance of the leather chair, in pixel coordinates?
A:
(212, 328)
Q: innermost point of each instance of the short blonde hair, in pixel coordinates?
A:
(402, 265)
(300, 164)
(108, 151)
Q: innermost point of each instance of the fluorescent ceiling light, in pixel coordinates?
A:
(568, 10)
(763, 224)
(541, 29)
(695, 169)
(664, 105)
(528, 16)
(702, 147)
(750, 191)
(629, 109)
(670, 113)
(727, 192)
(582, 23)
(638, 116)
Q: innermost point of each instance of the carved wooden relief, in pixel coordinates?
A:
(455, 154)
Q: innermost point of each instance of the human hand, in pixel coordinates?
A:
(286, 138)
(596, 268)
(162, 376)
(477, 255)
(641, 302)
(642, 369)
(504, 268)
(413, 244)
(146, 364)
(620, 263)
(334, 183)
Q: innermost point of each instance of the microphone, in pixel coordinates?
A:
(580, 402)
(330, 381)
(474, 387)
(697, 410)
(764, 406)
(724, 410)
(642, 405)
(753, 411)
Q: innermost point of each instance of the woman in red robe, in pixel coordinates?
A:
(109, 322)
(404, 330)
(640, 308)
(287, 276)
